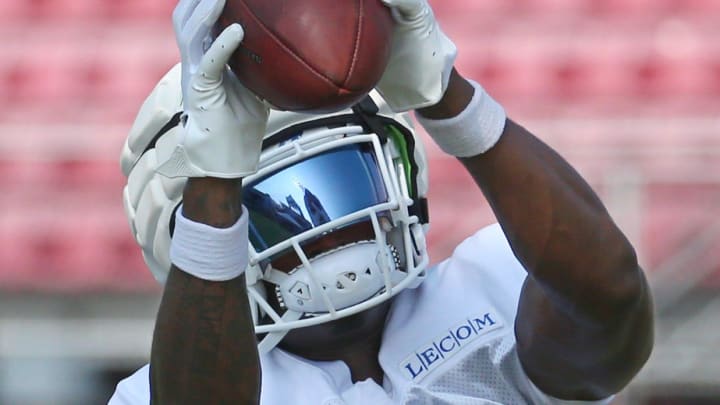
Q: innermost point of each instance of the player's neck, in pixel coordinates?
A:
(354, 340)
(361, 357)
(343, 347)
(365, 365)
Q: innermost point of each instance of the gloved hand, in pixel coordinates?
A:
(225, 123)
(422, 58)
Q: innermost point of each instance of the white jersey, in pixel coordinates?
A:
(450, 341)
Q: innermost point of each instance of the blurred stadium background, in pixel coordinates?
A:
(627, 90)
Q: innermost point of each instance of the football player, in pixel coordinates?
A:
(292, 246)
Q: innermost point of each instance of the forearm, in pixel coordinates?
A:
(584, 321)
(555, 223)
(204, 347)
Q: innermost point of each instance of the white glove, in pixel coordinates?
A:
(422, 58)
(225, 123)
(193, 22)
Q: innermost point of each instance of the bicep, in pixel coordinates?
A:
(570, 357)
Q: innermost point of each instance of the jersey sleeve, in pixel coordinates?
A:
(134, 390)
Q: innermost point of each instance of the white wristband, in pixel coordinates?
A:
(209, 253)
(472, 132)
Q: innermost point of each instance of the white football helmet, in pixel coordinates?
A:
(337, 208)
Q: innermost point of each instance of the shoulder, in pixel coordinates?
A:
(483, 263)
(487, 247)
(484, 266)
(134, 390)
(466, 301)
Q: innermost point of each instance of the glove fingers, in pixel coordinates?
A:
(213, 62)
(407, 9)
(197, 29)
(203, 18)
(182, 13)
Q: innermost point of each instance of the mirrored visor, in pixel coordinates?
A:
(312, 192)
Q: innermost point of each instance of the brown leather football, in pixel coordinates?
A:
(310, 55)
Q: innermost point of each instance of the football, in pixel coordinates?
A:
(310, 55)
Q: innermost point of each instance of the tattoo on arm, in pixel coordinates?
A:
(212, 201)
(204, 348)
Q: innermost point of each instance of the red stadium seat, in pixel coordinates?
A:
(12, 11)
(86, 247)
(139, 9)
(628, 7)
(45, 76)
(446, 9)
(658, 76)
(85, 10)
(94, 10)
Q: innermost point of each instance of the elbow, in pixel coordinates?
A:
(620, 273)
(628, 311)
(628, 326)
(633, 341)
(613, 287)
